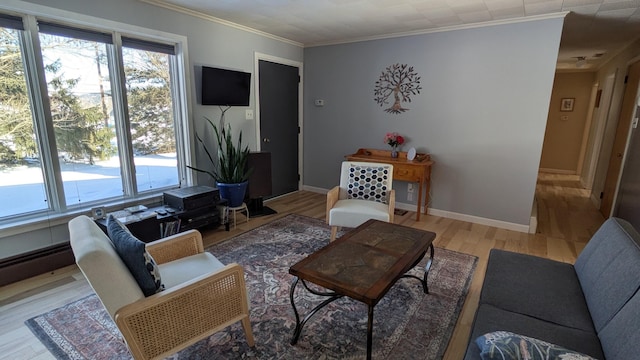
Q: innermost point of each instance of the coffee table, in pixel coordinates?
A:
(363, 265)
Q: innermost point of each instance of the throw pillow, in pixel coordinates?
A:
(134, 254)
(368, 183)
(504, 345)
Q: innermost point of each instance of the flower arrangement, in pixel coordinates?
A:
(393, 139)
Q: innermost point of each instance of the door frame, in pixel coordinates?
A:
(284, 61)
(627, 139)
(587, 179)
(587, 127)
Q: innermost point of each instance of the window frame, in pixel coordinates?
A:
(57, 209)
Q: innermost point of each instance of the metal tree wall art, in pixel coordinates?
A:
(399, 80)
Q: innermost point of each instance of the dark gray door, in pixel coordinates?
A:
(279, 127)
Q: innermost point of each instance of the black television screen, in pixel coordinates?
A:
(225, 87)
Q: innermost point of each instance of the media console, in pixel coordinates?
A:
(184, 209)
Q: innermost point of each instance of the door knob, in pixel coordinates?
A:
(619, 155)
(266, 140)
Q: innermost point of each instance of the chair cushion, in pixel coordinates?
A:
(368, 183)
(504, 345)
(187, 268)
(352, 213)
(134, 254)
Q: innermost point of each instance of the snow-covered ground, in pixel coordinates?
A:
(22, 188)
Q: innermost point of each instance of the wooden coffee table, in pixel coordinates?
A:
(363, 265)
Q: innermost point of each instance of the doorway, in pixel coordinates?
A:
(627, 113)
(279, 120)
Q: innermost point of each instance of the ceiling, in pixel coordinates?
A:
(594, 29)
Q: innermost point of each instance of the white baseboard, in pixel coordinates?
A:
(449, 214)
(479, 220)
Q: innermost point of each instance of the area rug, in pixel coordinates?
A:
(408, 324)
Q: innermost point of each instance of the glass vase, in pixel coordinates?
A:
(394, 152)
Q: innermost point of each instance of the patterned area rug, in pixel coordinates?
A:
(407, 323)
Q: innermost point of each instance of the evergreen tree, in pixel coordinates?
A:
(16, 125)
(149, 97)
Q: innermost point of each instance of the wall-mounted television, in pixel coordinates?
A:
(225, 87)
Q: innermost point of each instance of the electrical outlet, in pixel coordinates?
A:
(410, 187)
(248, 114)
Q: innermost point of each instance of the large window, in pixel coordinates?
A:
(147, 68)
(21, 176)
(87, 118)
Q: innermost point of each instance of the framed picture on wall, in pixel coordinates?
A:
(566, 104)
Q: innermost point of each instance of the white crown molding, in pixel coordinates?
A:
(200, 15)
(184, 10)
(447, 28)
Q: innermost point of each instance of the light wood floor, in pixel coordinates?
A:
(566, 221)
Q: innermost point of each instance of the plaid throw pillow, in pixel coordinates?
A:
(368, 183)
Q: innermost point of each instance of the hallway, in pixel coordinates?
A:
(567, 218)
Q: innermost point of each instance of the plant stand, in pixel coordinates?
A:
(233, 210)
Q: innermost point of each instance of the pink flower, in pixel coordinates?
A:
(393, 139)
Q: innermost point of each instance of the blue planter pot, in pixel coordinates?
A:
(233, 193)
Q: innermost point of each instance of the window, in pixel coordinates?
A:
(102, 130)
(147, 69)
(77, 75)
(21, 176)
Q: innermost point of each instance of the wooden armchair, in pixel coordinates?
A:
(364, 193)
(202, 296)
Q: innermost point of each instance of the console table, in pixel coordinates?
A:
(416, 170)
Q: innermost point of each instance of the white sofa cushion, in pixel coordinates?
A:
(354, 212)
(185, 269)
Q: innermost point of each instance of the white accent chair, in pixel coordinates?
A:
(364, 193)
(201, 296)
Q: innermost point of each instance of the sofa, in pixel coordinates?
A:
(591, 307)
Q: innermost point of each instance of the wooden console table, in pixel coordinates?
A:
(416, 170)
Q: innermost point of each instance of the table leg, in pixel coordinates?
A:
(300, 324)
(296, 332)
(427, 267)
(419, 210)
(427, 181)
(370, 332)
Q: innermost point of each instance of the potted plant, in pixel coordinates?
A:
(230, 171)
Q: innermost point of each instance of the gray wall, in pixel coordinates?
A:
(481, 114)
(209, 43)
